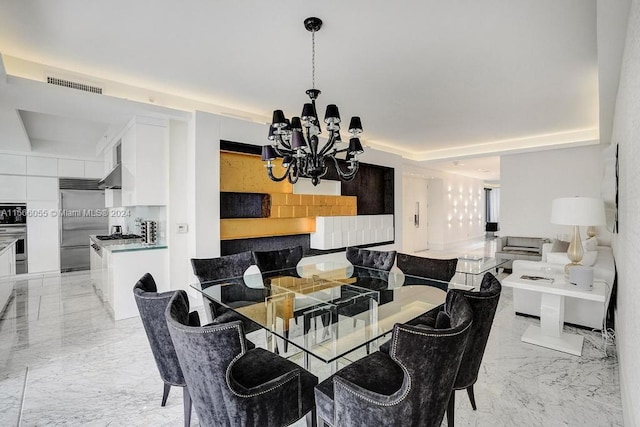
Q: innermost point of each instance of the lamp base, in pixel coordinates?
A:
(568, 267)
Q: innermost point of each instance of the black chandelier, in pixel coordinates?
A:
(296, 140)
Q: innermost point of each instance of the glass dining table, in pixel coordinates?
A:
(326, 310)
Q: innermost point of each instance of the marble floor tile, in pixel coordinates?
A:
(84, 369)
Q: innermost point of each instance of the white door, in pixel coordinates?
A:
(415, 224)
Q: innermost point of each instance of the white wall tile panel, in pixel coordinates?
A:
(333, 232)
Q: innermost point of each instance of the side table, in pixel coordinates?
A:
(553, 291)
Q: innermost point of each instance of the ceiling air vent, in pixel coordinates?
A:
(74, 85)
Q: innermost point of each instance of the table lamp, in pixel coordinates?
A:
(577, 211)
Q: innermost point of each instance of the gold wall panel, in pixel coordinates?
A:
(247, 228)
(246, 173)
(301, 205)
(290, 213)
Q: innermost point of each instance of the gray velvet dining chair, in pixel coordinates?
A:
(409, 386)
(279, 259)
(232, 385)
(442, 270)
(483, 305)
(152, 306)
(279, 262)
(379, 260)
(227, 267)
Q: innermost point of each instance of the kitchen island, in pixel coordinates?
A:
(115, 269)
(7, 270)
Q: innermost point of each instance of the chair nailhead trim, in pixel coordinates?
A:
(228, 377)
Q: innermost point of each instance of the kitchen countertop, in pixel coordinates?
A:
(134, 245)
(6, 244)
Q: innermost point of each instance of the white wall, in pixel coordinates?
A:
(178, 209)
(530, 181)
(626, 244)
(456, 206)
(203, 173)
(463, 207)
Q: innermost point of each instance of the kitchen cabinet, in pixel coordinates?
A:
(13, 164)
(116, 269)
(70, 168)
(42, 236)
(93, 169)
(13, 188)
(112, 198)
(7, 261)
(95, 268)
(42, 166)
(145, 163)
(7, 268)
(42, 188)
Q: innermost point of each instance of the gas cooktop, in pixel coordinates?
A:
(119, 237)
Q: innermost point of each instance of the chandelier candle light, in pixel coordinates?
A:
(296, 140)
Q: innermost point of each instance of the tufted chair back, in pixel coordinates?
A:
(408, 387)
(278, 259)
(380, 260)
(231, 384)
(228, 266)
(152, 306)
(439, 269)
(234, 265)
(483, 304)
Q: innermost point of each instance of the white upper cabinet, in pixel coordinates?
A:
(68, 168)
(145, 163)
(42, 188)
(13, 188)
(93, 169)
(42, 166)
(12, 164)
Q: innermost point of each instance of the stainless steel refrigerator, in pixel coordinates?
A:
(82, 213)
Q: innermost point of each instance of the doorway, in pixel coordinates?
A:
(415, 214)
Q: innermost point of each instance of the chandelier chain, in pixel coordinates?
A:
(296, 141)
(313, 59)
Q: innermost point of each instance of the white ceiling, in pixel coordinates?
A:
(432, 80)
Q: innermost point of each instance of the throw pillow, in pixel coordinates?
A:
(590, 244)
(588, 259)
(521, 248)
(559, 246)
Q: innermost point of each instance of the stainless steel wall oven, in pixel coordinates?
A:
(13, 225)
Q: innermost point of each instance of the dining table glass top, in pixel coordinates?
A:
(478, 265)
(325, 309)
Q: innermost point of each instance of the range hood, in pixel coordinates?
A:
(113, 178)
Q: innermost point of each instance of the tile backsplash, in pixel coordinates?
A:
(126, 217)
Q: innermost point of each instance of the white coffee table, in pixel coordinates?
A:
(550, 333)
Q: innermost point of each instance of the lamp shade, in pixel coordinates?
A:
(297, 140)
(268, 153)
(308, 113)
(332, 114)
(355, 146)
(278, 119)
(355, 125)
(583, 211)
(295, 123)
